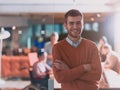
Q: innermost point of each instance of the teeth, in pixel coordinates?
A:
(75, 30)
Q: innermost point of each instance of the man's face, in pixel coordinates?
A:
(74, 26)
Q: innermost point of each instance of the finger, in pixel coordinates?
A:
(58, 61)
(56, 65)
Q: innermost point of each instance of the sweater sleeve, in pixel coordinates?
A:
(95, 74)
(69, 75)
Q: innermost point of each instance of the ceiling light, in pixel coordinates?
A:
(92, 19)
(14, 27)
(98, 15)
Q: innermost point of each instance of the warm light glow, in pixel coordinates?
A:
(92, 19)
(14, 27)
(98, 15)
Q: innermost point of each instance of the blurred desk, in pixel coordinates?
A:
(57, 86)
(53, 85)
(114, 85)
(113, 78)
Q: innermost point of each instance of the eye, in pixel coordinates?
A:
(71, 23)
(78, 23)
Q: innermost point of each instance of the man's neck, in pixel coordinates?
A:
(74, 39)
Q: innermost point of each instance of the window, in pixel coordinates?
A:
(95, 26)
(87, 26)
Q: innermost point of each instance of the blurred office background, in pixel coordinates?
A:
(31, 22)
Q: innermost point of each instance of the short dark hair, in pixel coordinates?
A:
(40, 53)
(73, 12)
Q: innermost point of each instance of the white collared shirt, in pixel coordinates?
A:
(72, 43)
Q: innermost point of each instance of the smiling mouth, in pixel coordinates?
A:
(75, 31)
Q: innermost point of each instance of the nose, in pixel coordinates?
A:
(75, 25)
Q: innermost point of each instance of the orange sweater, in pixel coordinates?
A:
(76, 78)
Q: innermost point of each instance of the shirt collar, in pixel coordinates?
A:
(72, 43)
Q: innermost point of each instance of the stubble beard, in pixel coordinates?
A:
(74, 36)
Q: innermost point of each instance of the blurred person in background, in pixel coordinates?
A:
(49, 45)
(112, 60)
(42, 71)
(103, 40)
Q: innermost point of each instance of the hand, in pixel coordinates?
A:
(87, 67)
(60, 65)
(50, 72)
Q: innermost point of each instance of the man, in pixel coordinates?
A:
(76, 62)
(48, 47)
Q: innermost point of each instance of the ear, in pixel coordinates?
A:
(65, 25)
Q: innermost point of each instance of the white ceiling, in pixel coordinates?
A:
(35, 10)
(33, 6)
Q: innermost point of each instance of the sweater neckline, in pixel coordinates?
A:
(73, 46)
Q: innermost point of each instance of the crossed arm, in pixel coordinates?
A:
(65, 74)
(86, 72)
(83, 72)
